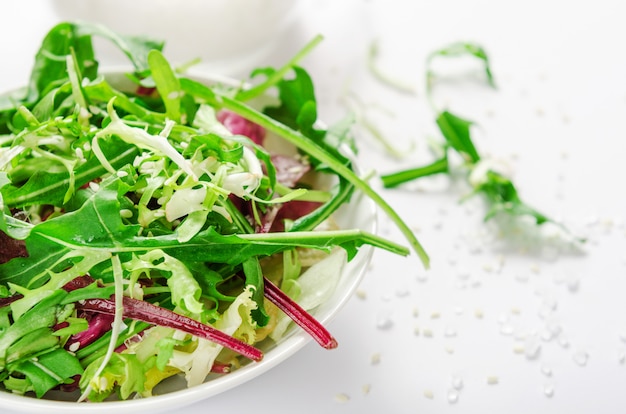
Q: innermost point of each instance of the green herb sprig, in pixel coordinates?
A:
(497, 189)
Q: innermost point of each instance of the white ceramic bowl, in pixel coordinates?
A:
(359, 213)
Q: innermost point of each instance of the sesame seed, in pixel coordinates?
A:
(342, 398)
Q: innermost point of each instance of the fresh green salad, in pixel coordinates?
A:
(148, 231)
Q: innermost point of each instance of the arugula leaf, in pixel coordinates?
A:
(298, 106)
(455, 50)
(503, 197)
(42, 315)
(456, 131)
(254, 277)
(50, 369)
(166, 83)
(499, 191)
(50, 67)
(46, 187)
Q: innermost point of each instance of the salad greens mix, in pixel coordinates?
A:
(146, 228)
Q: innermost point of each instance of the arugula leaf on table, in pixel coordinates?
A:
(499, 191)
(455, 50)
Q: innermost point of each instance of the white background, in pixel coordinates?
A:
(492, 296)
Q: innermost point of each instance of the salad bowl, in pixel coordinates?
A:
(173, 393)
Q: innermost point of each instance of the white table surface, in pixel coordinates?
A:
(490, 299)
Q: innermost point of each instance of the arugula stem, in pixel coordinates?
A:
(395, 179)
(372, 64)
(333, 237)
(310, 195)
(300, 316)
(278, 75)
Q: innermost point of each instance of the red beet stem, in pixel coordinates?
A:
(147, 312)
(300, 316)
(220, 368)
(9, 300)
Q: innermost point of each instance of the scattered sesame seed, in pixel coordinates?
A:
(463, 275)
(532, 348)
(563, 341)
(506, 329)
(342, 398)
(375, 358)
(384, 322)
(402, 292)
(428, 333)
(478, 313)
(546, 370)
(518, 349)
(522, 277)
(457, 382)
(581, 358)
(548, 390)
(422, 277)
(366, 388)
(492, 380)
(361, 294)
(450, 332)
(429, 394)
(453, 396)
